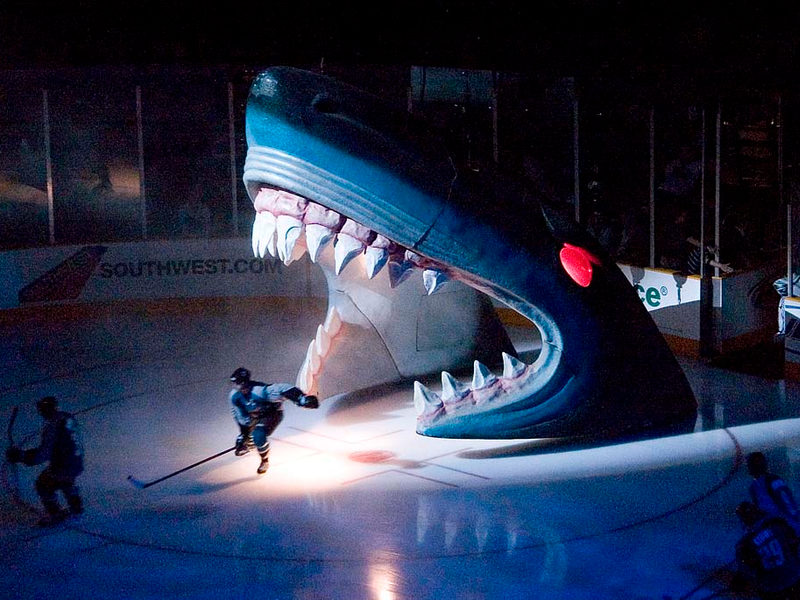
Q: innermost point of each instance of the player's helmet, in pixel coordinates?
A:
(240, 375)
(756, 463)
(47, 405)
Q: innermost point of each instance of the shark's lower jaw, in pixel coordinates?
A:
(287, 226)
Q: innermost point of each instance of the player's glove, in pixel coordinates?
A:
(14, 455)
(308, 401)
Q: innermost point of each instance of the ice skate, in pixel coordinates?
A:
(262, 468)
(241, 450)
(75, 506)
(53, 519)
(243, 447)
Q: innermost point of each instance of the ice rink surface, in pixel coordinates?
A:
(355, 505)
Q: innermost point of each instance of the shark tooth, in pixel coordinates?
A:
(452, 388)
(312, 358)
(482, 377)
(305, 379)
(433, 280)
(289, 229)
(512, 368)
(399, 271)
(266, 233)
(256, 233)
(317, 237)
(322, 341)
(346, 249)
(376, 258)
(333, 322)
(426, 402)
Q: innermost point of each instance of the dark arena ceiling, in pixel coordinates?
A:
(745, 39)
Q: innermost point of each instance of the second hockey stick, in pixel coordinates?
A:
(11, 469)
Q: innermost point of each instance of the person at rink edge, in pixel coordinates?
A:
(258, 410)
(767, 555)
(61, 448)
(770, 493)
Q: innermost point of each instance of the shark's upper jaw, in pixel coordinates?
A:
(328, 164)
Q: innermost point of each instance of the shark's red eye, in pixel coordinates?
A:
(578, 262)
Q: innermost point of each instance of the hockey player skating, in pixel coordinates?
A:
(258, 409)
(61, 448)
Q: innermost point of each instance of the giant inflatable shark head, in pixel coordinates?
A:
(329, 163)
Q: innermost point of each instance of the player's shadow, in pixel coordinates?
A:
(205, 488)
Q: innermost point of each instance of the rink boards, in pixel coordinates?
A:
(744, 304)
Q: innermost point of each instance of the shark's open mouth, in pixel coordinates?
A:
(332, 170)
(287, 226)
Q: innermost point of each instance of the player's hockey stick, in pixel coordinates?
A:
(11, 472)
(142, 485)
(10, 430)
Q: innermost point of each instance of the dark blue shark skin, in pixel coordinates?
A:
(605, 369)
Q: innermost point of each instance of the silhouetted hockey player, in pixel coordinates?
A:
(61, 448)
(770, 493)
(767, 554)
(258, 409)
